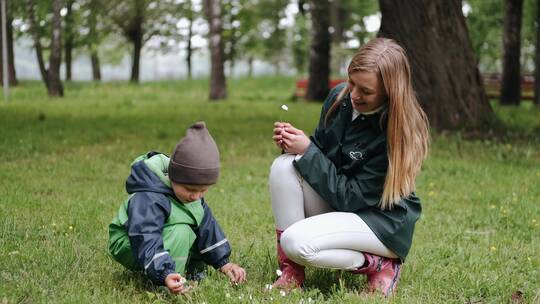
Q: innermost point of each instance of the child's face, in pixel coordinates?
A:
(189, 193)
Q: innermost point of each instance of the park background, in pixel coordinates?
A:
(93, 84)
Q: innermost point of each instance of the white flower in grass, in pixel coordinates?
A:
(284, 108)
(182, 281)
(227, 295)
(282, 293)
(278, 272)
(268, 286)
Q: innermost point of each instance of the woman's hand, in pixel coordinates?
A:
(175, 282)
(235, 273)
(278, 129)
(293, 140)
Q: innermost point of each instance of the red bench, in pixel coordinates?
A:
(492, 84)
(301, 86)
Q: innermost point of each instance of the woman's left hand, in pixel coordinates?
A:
(294, 140)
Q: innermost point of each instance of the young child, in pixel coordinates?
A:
(165, 227)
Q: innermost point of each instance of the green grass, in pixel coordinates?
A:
(64, 163)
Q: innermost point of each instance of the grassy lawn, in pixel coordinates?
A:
(65, 162)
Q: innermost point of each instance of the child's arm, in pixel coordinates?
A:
(215, 248)
(147, 214)
(211, 241)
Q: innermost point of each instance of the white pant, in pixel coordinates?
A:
(314, 234)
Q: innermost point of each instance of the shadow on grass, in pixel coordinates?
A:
(329, 282)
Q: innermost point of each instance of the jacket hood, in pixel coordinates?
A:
(149, 174)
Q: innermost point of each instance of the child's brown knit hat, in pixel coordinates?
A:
(195, 160)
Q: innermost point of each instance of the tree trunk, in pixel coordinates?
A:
(301, 8)
(55, 58)
(218, 86)
(94, 42)
(135, 33)
(319, 55)
(136, 40)
(511, 76)
(444, 72)
(96, 71)
(336, 21)
(11, 61)
(68, 30)
(537, 57)
(250, 66)
(189, 50)
(37, 41)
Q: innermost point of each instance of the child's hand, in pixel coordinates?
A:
(175, 283)
(235, 273)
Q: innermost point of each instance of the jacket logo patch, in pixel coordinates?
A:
(356, 155)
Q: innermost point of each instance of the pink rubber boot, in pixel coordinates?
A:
(382, 273)
(292, 274)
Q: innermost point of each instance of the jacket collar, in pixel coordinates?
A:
(373, 120)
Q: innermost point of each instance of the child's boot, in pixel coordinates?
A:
(382, 273)
(292, 274)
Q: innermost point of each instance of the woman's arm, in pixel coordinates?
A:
(348, 193)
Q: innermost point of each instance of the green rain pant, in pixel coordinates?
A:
(178, 240)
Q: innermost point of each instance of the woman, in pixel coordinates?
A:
(344, 198)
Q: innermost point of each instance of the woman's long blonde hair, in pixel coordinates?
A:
(408, 126)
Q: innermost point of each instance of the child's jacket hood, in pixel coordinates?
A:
(149, 175)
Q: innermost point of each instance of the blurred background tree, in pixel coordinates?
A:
(310, 40)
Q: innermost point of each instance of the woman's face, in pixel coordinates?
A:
(367, 92)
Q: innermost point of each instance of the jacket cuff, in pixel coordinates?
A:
(221, 263)
(305, 159)
(160, 279)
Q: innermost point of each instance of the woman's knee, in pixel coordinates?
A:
(296, 247)
(282, 166)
